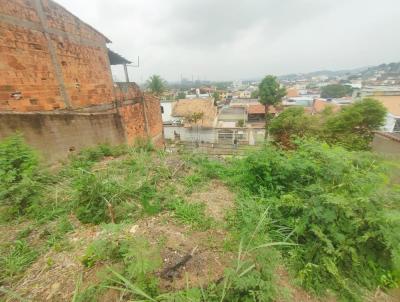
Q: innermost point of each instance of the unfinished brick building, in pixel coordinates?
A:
(56, 84)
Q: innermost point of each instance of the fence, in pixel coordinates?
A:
(227, 136)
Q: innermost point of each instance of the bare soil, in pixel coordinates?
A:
(217, 198)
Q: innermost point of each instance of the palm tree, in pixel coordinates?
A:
(270, 94)
(156, 84)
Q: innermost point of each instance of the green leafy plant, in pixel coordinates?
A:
(15, 260)
(191, 213)
(332, 203)
(18, 174)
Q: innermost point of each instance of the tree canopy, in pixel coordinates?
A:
(216, 97)
(335, 91)
(353, 127)
(270, 91)
(292, 122)
(181, 95)
(156, 84)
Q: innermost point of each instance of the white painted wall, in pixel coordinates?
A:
(389, 123)
(166, 116)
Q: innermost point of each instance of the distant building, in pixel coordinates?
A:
(392, 104)
(184, 109)
(232, 114)
(389, 96)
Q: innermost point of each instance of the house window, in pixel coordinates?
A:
(396, 127)
(162, 109)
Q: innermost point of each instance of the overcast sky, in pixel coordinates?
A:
(241, 39)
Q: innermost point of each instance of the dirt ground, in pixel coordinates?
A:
(217, 198)
(53, 277)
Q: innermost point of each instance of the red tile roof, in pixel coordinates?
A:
(259, 109)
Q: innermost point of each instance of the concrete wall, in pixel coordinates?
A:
(387, 146)
(49, 59)
(57, 135)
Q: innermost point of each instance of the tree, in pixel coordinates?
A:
(255, 94)
(293, 122)
(271, 93)
(335, 91)
(181, 95)
(216, 97)
(354, 125)
(156, 85)
(194, 117)
(240, 123)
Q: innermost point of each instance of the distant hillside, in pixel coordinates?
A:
(391, 69)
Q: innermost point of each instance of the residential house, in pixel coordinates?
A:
(185, 109)
(392, 104)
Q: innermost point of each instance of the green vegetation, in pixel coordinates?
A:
(16, 259)
(293, 122)
(270, 94)
(335, 205)
(18, 173)
(352, 127)
(156, 85)
(191, 214)
(216, 97)
(255, 94)
(335, 91)
(240, 123)
(180, 95)
(326, 216)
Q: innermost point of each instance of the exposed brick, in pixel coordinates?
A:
(28, 77)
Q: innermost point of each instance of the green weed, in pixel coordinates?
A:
(16, 260)
(192, 214)
(329, 201)
(18, 174)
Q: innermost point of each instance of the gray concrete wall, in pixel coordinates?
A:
(55, 135)
(386, 146)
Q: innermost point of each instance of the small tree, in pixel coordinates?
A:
(194, 117)
(181, 95)
(240, 123)
(354, 125)
(216, 97)
(335, 91)
(271, 93)
(255, 94)
(293, 122)
(156, 85)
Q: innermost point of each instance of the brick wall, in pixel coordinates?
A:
(28, 73)
(140, 123)
(154, 118)
(50, 61)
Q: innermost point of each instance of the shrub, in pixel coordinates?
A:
(331, 202)
(140, 260)
(96, 195)
(292, 122)
(18, 174)
(353, 126)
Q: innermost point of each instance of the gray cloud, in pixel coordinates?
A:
(234, 39)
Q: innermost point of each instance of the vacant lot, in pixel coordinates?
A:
(123, 224)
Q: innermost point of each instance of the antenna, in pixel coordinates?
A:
(130, 65)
